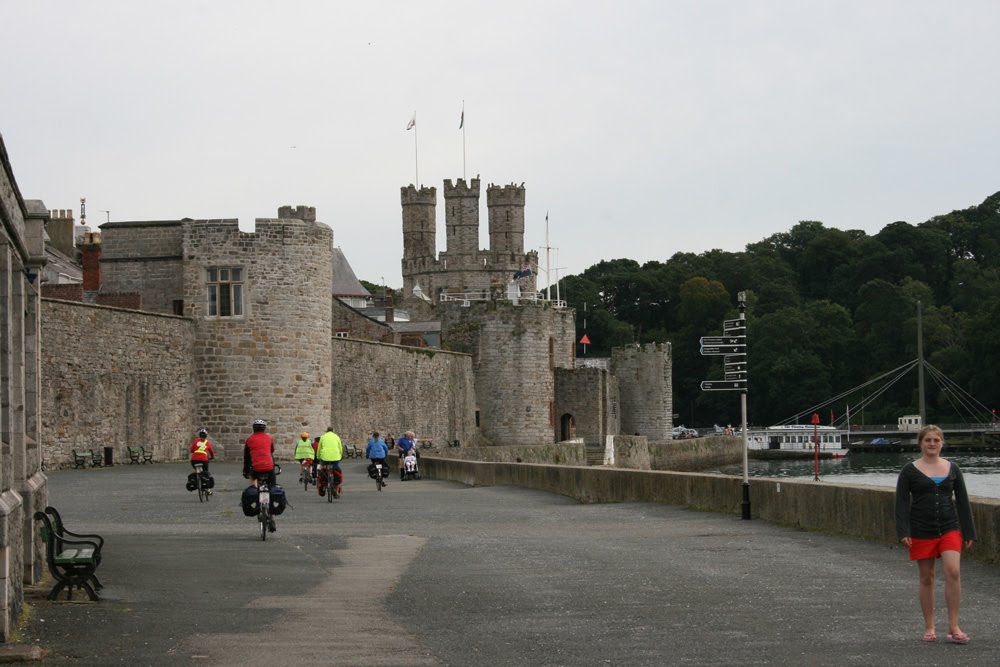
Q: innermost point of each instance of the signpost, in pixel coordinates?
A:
(815, 423)
(732, 347)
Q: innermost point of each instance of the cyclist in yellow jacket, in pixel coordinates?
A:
(329, 453)
(304, 452)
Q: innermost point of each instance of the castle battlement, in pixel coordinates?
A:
(424, 195)
(461, 188)
(507, 195)
(300, 212)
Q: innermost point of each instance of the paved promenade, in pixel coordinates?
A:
(434, 573)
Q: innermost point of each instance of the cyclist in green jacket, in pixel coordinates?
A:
(330, 452)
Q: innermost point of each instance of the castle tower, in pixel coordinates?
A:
(261, 306)
(506, 220)
(644, 379)
(462, 222)
(419, 233)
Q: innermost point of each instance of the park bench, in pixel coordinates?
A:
(139, 455)
(72, 563)
(83, 457)
(352, 452)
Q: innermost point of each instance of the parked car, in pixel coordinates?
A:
(681, 432)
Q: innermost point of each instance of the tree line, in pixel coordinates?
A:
(827, 310)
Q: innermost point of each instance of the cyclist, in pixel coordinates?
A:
(377, 451)
(305, 452)
(330, 452)
(202, 452)
(406, 445)
(258, 459)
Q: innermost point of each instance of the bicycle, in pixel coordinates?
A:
(264, 516)
(379, 477)
(332, 488)
(307, 473)
(203, 494)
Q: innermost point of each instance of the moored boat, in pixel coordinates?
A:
(799, 438)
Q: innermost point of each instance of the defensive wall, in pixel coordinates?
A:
(115, 378)
(392, 389)
(645, 380)
(842, 509)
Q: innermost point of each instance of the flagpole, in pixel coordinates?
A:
(463, 140)
(548, 275)
(416, 155)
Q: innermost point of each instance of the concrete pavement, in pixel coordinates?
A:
(434, 573)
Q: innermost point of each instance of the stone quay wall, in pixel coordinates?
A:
(115, 378)
(865, 512)
(392, 389)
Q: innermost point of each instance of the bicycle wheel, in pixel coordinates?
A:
(202, 496)
(305, 477)
(378, 481)
(262, 517)
(330, 479)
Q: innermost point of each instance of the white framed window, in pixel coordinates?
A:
(225, 292)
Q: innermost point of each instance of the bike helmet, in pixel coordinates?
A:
(202, 433)
(304, 435)
(259, 424)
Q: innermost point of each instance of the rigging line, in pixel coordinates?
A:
(953, 393)
(907, 367)
(960, 389)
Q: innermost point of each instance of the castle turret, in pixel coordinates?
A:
(506, 220)
(462, 222)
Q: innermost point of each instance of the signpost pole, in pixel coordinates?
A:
(815, 421)
(745, 504)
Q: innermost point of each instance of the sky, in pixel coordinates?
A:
(642, 129)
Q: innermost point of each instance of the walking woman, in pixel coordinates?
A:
(933, 519)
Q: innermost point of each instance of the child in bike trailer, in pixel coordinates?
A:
(202, 452)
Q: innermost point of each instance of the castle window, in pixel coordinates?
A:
(225, 292)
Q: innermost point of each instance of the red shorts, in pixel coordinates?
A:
(932, 548)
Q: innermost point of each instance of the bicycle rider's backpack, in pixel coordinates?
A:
(249, 500)
(278, 500)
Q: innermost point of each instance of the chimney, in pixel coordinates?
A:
(92, 262)
(390, 311)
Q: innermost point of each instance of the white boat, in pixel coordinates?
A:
(799, 437)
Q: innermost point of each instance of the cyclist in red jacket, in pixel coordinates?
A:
(258, 454)
(202, 452)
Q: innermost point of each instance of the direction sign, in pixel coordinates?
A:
(723, 385)
(733, 323)
(723, 340)
(736, 375)
(722, 349)
(739, 329)
(735, 365)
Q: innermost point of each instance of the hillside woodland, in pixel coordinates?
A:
(827, 311)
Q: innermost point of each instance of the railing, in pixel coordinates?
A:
(485, 295)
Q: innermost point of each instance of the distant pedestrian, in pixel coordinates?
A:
(933, 519)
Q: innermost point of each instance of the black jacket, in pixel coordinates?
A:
(926, 510)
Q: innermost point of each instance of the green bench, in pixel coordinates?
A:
(83, 457)
(139, 455)
(72, 562)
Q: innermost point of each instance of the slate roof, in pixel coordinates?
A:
(345, 283)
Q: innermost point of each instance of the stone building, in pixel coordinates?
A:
(23, 485)
(463, 266)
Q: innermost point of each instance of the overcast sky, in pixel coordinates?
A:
(642, 128)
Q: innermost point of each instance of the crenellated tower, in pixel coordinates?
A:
(506, 221)
(461, 217)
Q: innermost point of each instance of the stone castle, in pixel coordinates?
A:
(178, 324)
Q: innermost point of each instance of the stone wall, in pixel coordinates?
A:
(272, 361)
(347, 320)
(516, 349)
(144, 257)
(696, 454)
(392, 389)
(562, 453)
(842, 509)
(114, 378)
(644, 380)
(590, 398)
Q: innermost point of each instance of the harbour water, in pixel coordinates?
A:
(981, 472)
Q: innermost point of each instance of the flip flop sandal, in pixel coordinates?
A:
(958, 638)
(930, 637)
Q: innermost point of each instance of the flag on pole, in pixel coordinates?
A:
(832, 420)
(413, 122)
(524, 272)
(461, 121)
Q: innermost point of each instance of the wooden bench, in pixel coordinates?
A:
(352, 452)
(139, 455)
(82, 458)
(71, 562)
